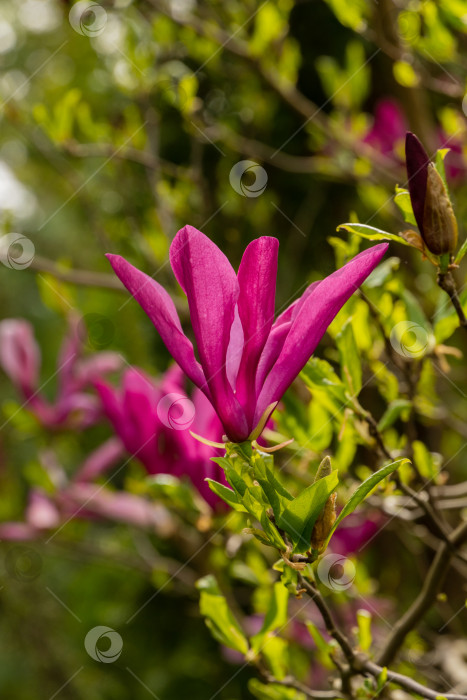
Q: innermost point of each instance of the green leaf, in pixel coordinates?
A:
(275, 651)
(276, 494)
(382, 679)
(276, 616)
(403, 201)
(393, 412)
(447, 321)
(300, 515)
(350, 359)
(461, 252)
(235, 480)
(364, 489)
(289, 579)
(371, 233)
(227, 495)
(424, 460)
(272, 532)
(273, 691)
(364, 629)
(382, 273)
(259, 534)
(222, 624)
(439, 165)
(320, 377)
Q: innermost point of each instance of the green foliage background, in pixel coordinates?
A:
(120, 139)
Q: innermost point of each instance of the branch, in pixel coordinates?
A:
(328, 619)
(278, 159)
(432, 585)
(135, 155)
(359, 663)
(291, 682)
(287, 91)
(446, 282)
(409, 684)
(426, 505)
(81, 277)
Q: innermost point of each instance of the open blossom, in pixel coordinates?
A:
(153, 422)
(20, 358)
(246, 359)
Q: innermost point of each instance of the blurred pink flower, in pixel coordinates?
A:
(73, 407)
(355, 532)
(247, 360)
(82, 499)
(153, 422)
(388, 130)
(387, 135)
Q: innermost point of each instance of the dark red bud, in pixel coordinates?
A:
(417, 161)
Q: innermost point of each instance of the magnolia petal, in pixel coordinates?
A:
(315, 315)
(19, 354)
(211, 286)
(101, 460)
(257, 282)
(158, 305)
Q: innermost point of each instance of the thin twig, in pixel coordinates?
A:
(431, 587)
(446, 282)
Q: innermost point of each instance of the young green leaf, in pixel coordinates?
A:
(275, 651)
(227, 495)
(439, 165)
(276, 616)
(371, 233)
(222, 624)
(424, 460)
(395, 409)
(320, 377)
(364, 629)
(364, 489)
(273, 691)
(275, 493)
(349, 358)
(461, 252)
(403, 201)
(300, 515)
(272, 532)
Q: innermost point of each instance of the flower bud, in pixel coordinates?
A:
(324, 469)
(431, 205)
(439, 221)
(327, 517)
(324, 523)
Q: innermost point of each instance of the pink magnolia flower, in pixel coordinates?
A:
(73, 407)
(387, 135)
(80, 498)
(153, 421)
(247, 360)
(388, 130)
